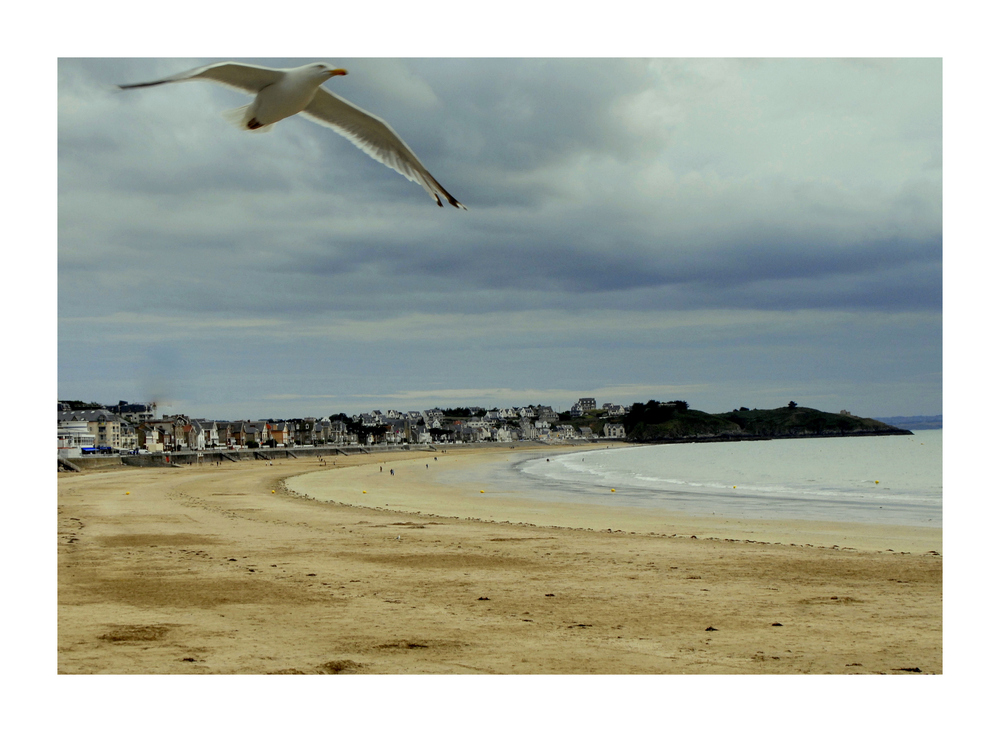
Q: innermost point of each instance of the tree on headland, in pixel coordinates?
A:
(792, 405)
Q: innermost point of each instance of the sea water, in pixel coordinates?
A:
(886, 479)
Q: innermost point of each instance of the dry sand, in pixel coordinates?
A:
(222, 570)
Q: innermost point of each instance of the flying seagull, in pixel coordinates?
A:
(282, 93)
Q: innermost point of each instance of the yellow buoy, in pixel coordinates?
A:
(482, 491)
(364, 491)
(876, 482)
(272, 491)
(126, 493)
(612, 490)
(734, 487)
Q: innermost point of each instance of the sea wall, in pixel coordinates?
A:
(195, 457)
(91, 463)
(307, 452)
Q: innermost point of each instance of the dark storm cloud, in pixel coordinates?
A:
(721, 271)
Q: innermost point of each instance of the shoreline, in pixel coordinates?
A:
(216, 569)
(427, 491)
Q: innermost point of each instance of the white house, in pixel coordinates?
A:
(504, 434)
(614, 431)
(72, 437)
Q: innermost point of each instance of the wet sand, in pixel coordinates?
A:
(427, 484)
(225, 570)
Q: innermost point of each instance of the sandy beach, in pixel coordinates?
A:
(299, 567)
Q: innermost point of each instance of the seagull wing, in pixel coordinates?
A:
(376, 138)
(243, 77)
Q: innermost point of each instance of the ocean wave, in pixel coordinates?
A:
(828, 479)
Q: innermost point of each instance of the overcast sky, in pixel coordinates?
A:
(729, 232)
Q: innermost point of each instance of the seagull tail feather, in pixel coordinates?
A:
(237, 117)
(240, 117)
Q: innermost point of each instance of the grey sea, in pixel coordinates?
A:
(888, 480)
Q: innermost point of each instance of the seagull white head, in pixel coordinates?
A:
(326, 70)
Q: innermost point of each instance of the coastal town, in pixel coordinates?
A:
(127, 428)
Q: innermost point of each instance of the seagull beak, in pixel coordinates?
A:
(337, 72)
